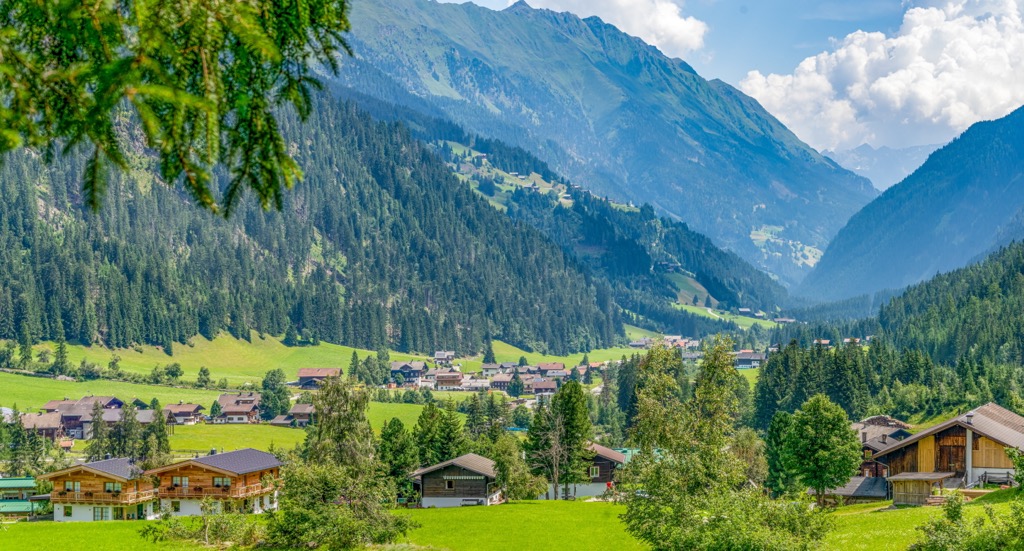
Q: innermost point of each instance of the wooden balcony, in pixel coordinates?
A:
(231, 492)
(111, 498)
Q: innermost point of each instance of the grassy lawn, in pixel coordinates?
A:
(237, 360)
(504, 352)
(557, 525)
(750, 375)
(80, 536)
(742, 321)
(869, 527)
(637, 333)
(232, 437)
(30, 393)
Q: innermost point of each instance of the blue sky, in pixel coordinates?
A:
(841, 73)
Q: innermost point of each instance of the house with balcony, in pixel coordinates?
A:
(448, 380)
(408, 372)
(243, 407)
(244, 480)
(185, 414)
(111, 489)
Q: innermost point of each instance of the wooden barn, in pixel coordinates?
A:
(466, 480)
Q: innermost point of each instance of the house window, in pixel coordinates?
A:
(221, 482)
(176, 506)
(101, 513)
(180, 481)
(595, 471)
(118, 513)
(110, 487)
(449, 484)
(67, 511)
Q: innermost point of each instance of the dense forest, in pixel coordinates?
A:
(379, 246)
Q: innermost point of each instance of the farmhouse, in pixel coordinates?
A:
(185, 414)
(959, 452)
(112, 416)
(310, 378)
(466, 480)
(300, 415)
(243, 407)
(449, 380)
(490, 370)
(48, 425)
(410, 372)
(111, 489)
(546, 368)
(501, 381)
(444, 357)
(877, 433)
(747, 359)
(544, 387)
(245, 478)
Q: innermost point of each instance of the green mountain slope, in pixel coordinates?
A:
(975, 312)
(614, 115)
(379, 246)
(965, 200)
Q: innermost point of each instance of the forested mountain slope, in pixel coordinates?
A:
(975, 312)
(965, 200)
(380, 245)
(614, 115)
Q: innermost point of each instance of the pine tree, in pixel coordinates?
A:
(516, 385)
(397, 451)
(60, 365)
(453, 441)
(428, 435)
(99, 444)
(488, 352)
(215, 409)
(291, 337)
(570, 404)
(203, 379)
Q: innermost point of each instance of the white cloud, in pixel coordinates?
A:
(658, 22)
(950, 64)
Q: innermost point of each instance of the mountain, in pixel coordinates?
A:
(884, 166)
(975, 312)
(380, 245)
(615, 116)
(965, 200)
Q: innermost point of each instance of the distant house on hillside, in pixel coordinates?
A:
(466, 480)
(501, 381)
(444, 357)
(112, 416)
(243, 407)
(642, 343)
(448, 380)
(490, 370)
(410, 372)
(544, 387)
(747, 359)
(961, 451)
(310, 378)
(185, 414)
(300, 415)
(546, 368)
(877, 433)
(601, 473)
(48, 425)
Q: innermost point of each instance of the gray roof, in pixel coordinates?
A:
(241, 461)
(990, 420)
(921, 476)
(302, 408)
(471, 462)
(608, 453)
(860, 486)
(121, 467)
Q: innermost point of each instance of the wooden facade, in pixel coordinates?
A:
(196, 481)
(117, 498)
(456, 482)
(604, 468)
(911, 492)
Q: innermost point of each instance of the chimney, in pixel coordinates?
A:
(970, 417)
(213, 451)
(106, 456)
(863, 437)
(181, 402)
(884, 438)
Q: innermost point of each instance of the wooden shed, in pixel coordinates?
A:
(466, 480)
(914, 488)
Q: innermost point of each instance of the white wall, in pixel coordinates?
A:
(83, 512)
(583, 491)
(189, 507)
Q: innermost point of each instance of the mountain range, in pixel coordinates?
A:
(615, 116)
(961, 204)
(884, 166)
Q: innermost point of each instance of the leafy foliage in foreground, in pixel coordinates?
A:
(204, 78)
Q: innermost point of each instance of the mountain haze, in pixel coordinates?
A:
(964, 201)
(614, 115)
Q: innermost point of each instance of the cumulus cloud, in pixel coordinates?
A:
(950, 64)
(658, 22)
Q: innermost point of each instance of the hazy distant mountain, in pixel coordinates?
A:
(613, 114)
(965, 200)
(884, 166)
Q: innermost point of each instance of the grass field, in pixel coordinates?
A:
(555, 525)
(742, 321)
(504, 352)
(30, 393)
(566, 525)
(750, 375)
(226, 357)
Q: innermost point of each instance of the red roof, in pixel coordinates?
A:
(320, 372)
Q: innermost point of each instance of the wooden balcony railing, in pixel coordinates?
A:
(230, 492)
(113, 498)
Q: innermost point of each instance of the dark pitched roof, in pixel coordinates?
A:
(989, 420)
(860, 486)
(120, 467)
(179, 409)
(241, 461)
(396, 366)
(42, 420)
(471, 462)
(302, 408)
(236, 399)
(607, 453)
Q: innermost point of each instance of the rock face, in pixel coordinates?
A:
(964, 201)
(615, 115)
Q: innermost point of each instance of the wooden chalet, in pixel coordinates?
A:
(444, 357)
(877, 433)
(466, 480)
(185, 414)
(243, 407)
(247, 479)
(544, 387)
(601, 474)
(111, 489)
(501, 381)
(748, 359)
(48, 425)
(547, 368)
(448, 380)
(960, 452)
(310, 378)
(300, 415)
